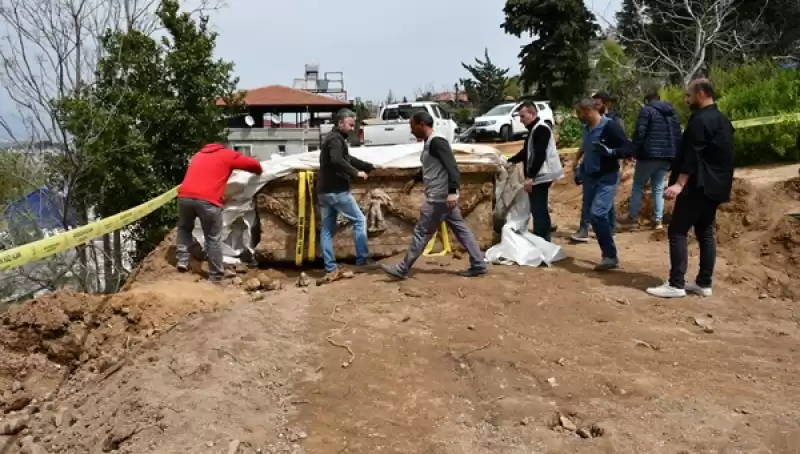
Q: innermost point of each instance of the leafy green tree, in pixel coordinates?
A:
(152, 106)
(556, 62)
(487, 83)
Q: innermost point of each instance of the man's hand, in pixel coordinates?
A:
(361, 174)
(673, 191)
(452, 201)
(409, 186)
(528, 185)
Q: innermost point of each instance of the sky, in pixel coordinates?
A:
(399, 46)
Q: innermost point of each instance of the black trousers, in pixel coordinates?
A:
(693, 209)
(540, 210)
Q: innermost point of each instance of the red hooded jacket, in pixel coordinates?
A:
(209, 171)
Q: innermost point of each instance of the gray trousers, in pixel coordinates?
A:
(431, 216)
(210, 217)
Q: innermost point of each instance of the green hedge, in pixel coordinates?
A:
(750, 91)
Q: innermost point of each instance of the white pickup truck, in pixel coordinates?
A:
(392, 128)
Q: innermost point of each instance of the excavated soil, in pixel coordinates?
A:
(546, 360)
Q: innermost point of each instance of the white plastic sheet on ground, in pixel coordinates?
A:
(238, 215)
(517, 245)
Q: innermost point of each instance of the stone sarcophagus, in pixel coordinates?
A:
(391, 213)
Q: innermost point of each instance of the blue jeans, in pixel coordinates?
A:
(654, 171)
(598, 194)
(331, 205)
(586, 210)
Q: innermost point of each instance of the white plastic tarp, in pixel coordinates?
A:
(517, 245)
(238, 216)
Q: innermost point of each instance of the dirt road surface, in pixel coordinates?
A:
(545, 360)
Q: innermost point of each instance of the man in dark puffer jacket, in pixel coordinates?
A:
(656, 140)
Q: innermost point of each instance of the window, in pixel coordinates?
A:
(246, 150)
(444, 113)
(282, 150)
(501, 110)
(401, 112)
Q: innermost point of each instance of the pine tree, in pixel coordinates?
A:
(486, 86)
(557, 61)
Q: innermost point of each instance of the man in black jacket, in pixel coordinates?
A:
(701, 179)
(336, 169)
(539, 171)
(655, 141)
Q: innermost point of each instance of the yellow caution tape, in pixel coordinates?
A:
(301, 218)
(428, 252)
(22, 255)
(305, 190)
(312, 218)
(762, 121)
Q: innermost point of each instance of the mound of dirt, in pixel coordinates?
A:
(161, 262)
(781, 249)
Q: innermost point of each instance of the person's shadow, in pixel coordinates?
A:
(619, 277)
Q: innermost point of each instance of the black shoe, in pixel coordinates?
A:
(473, 272)
(394, 272)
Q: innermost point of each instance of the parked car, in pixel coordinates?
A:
(392, 128)
(502, 121)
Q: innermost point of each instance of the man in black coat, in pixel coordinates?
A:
(701, 180)
(655, 141)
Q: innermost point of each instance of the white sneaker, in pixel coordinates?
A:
(666, 291)
(692, 287)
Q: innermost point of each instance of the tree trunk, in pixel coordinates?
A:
(118, 269)
(109, 283)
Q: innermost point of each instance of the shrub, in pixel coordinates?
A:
(755, 90)
(569, 132)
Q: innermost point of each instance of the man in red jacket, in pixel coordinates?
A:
(200, 197)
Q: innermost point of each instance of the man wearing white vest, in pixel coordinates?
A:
(542, 166)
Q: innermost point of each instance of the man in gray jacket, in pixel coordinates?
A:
(442, 178)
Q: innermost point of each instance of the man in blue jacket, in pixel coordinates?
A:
(604, 143)
(655, 142)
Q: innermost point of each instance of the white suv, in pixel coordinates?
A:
(503, 122)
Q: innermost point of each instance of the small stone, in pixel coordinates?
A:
(302, 435)
(252, 285)
(16, 387)
(405, 318)
(584, 433)
(233, 446)
(567, 423)
(597, 430)
(19, 402)
(210, 444)
(272, 285)
(237, 281)
(552, 381)
(13, 426)
(348, 275)
(561, 361)
(524, 421)
(303, 280)
(742, 411)
(763, 296)
(292, 437)
(471, 327)
(29, 446)
(63, 417)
